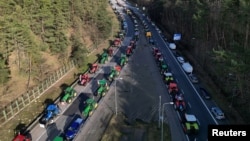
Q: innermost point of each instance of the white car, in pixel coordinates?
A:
(187, 67)
(217, 112)
(180, 59)
(172, 46)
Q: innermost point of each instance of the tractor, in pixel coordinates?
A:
(163, 67)
(168, 78)
(103, 87)
(158, 56)
(132, 44)
(155, 51)
(114, 73)
(50, 113)
(172, 89)
(93, 68)
(123, 60)
(83, 79)
(179, 103)
(117, 42)
(136, 37)
(69, 94)
(25, 136)
(190, 123)
(111, 51)
(103, 58)
(90, 106)
(129, 51)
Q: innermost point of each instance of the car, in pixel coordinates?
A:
(193, 78)
(172, 46)
(187, 67)
(204, 93)
(180, 59)
(73, 129)
(217, 112)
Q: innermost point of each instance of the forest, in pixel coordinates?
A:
(39, 36)
(216, 34)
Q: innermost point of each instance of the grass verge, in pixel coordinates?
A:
(118, 129)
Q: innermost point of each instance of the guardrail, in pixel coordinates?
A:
(14, 107)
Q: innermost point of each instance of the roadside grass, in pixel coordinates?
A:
(25, 117)
(118, 129)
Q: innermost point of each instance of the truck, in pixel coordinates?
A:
(50, 113)
(73, 129)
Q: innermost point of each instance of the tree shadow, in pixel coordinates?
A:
(48, 101)
(20, 128)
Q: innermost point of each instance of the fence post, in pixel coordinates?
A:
(5, 115)
(17, 105)
(23, 101)
(11, 109)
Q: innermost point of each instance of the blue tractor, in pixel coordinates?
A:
(50, 113)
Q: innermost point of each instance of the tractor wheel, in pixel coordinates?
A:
(104, 93)
(74, 94)
(69, 100)
(90, 113)
(95, 106)
(107, 87)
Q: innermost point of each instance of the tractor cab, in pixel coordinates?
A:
(157, 56)
(84, 79)
(104, 58)
(23, 137)
(172, 87)
(93, 68)
(123, 60)
(129, 51)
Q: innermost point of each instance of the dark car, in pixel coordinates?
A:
(73, 129)
(204, 93)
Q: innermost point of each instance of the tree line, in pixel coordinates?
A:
(30, 27)
(216, 33)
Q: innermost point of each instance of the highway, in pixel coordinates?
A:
(94, 126)
(196, 104)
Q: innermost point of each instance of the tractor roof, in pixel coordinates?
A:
(190, 118)
(168, 74)
(171, 85)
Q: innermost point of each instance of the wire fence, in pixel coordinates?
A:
(14, 107)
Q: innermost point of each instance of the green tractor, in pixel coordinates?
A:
(69, 94)
(114, 73)
(90, 106)
(104, 58)
(123, 60)
(163, 68)
(103, 87)
(190, 124)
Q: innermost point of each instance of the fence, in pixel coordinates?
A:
(25, 99)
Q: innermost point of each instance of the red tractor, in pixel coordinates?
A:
(111, 51)
(117, 42)
(158, 56)
(23, 137)
(94, 68)
(172, 89)
(84, 79)
(132, 44)
(129, 51)
(179, 103)
(155, 51)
